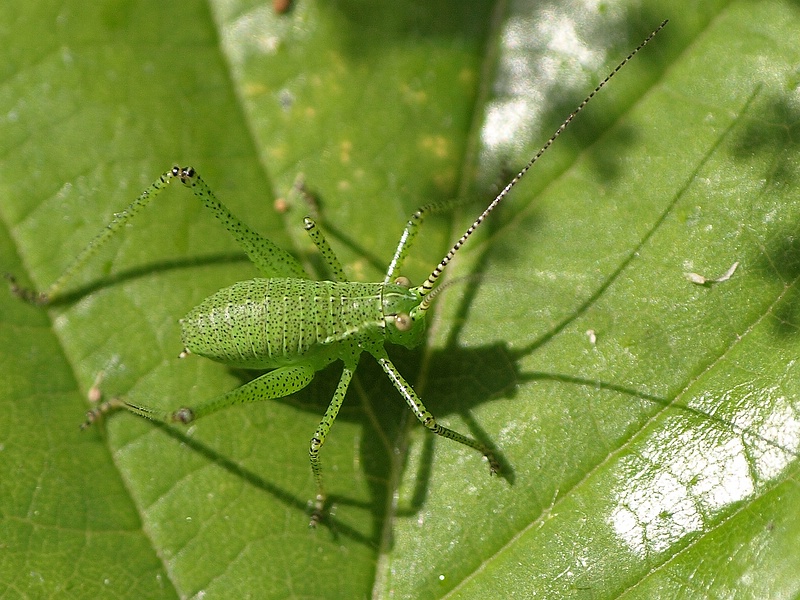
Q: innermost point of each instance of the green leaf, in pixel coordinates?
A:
(658, 458)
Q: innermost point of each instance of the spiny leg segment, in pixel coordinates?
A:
(423, 415)
(321, 433)
(277, 383)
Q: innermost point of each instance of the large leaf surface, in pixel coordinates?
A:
(660, 459)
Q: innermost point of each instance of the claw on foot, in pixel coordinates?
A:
(494, 466)
(101, 409)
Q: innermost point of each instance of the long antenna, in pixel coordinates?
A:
(429, 283)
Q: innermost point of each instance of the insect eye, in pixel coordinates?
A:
(403, 281)
(403, 321)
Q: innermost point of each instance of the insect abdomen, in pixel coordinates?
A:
(266, 323)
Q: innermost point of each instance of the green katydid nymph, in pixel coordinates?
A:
(293, 326)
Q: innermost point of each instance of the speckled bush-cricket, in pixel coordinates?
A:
(295, 326)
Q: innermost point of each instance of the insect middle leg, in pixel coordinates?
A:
(404, 245)
(321, 433)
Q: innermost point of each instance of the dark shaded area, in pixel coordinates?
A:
(372, 26)
(771, 129)
(255, 480)
(460, 380)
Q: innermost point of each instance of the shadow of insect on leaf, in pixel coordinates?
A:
(770, 141)
(147, 270)
(255, 480)
(773, 129)
(460, 380)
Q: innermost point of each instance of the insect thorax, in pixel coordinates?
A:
(268, 323)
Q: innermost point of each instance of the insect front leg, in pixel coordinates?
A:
(423, 415)
(407, 239)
